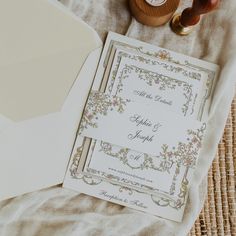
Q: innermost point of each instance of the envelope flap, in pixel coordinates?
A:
(38, 28)
(42, 49)
(34, 153)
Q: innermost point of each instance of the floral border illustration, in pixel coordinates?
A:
(134, 185)
(184, 154)
(99, 104)
(164, 55)
(159, 200)
(164, 82)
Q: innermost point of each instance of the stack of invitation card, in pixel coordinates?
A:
(142, 127)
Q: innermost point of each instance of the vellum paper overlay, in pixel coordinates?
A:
(142, 127)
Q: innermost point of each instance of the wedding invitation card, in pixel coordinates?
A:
(143, 127)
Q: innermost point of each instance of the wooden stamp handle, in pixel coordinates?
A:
(191, 16)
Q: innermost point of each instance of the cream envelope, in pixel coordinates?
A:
(43, 49)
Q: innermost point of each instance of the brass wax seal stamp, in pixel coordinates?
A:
(184, 23)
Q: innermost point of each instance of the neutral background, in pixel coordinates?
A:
(57, 211)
